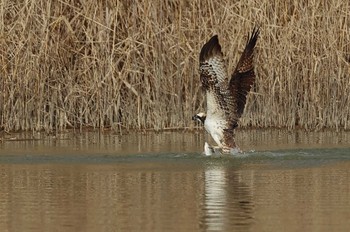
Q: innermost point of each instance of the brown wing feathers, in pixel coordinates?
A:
(243, 77)
(211, 48)
(210, 51)
(213, 75)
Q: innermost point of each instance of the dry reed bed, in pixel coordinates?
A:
(134, 64)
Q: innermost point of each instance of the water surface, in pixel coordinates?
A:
(290, 181)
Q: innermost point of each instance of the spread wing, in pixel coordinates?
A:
(243, 77)
(213, 77)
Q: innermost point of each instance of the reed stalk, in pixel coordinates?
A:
(134, 64)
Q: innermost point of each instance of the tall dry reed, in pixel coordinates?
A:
(134, 64)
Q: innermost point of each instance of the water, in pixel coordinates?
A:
(160, 182)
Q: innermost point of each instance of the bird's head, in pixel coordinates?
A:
(199, 117)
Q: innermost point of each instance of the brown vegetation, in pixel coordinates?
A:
(134, 64)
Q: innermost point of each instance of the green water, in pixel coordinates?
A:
(284, 181)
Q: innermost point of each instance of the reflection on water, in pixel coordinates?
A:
(165, 198)
(214, 200)
(227, 201)
(63, 186)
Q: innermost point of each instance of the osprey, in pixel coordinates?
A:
(225, 98)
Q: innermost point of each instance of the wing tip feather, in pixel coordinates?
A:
(211, 48)
(253, 38)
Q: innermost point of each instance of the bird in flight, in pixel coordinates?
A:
(225, 98)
